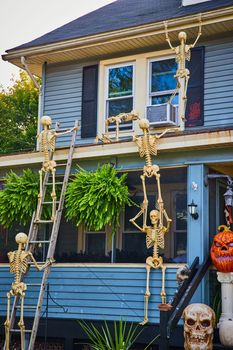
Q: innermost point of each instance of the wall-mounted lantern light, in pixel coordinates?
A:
(192, 208)
(228, 197)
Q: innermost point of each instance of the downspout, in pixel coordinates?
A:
(39, 87)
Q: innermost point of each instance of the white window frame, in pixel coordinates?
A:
(106, 89)
(159, 93)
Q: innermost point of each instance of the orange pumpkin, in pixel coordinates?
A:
(221, 251)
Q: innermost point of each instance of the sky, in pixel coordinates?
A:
(24, 20)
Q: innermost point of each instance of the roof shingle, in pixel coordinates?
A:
(123, 14)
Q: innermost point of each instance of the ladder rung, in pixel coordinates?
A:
(50, 202)
(56, 183)
(26, 307)
(48, 241)
(43, 221)
(33, 284)
(18, 330)
(61, 164)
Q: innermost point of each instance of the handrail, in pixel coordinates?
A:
(169, 319)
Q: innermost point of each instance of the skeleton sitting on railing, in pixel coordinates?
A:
(147, 145)
(118, 119)
(47, 142)
(183, 53)
(19, 265)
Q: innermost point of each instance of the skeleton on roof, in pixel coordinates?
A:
(182, 54)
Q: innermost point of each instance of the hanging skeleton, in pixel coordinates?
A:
(47, 142)
(147, 145)
(19, 265)
(183, 54)
(118, 119)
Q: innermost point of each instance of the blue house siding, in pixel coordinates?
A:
(218, 97)
(95, 292)
(63, 96)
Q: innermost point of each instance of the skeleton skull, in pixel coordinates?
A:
(199, 322)
(154, 216)
(21, 238)
(46, 120)
(144, 124)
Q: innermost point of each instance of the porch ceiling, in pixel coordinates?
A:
(128, 41)
(225, 169)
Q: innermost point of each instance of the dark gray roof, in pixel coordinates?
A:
(123, 14)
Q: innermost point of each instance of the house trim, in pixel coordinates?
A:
(172, 143)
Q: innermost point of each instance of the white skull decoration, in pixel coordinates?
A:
(199, 320)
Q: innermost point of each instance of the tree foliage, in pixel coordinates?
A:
(18, 116)
(96, 198)
(18, 199)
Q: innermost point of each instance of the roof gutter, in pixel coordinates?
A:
(210, 17)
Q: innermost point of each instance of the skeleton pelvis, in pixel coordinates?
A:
(18, 288)
(49, 165)
(155, 263)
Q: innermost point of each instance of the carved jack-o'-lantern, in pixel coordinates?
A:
(222, 250)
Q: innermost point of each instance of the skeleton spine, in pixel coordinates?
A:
(147, 151)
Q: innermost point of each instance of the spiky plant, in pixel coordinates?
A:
(123, 337)
(96, 198)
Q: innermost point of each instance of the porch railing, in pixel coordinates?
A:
(169, 319)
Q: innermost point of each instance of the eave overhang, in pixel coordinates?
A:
(149, 37)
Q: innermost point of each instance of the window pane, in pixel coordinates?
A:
(124, 105)
(180, 247)
(157, 100)
(95, 243)
(120, 81)
(163, 75)
(181, 211)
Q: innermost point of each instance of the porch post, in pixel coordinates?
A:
(198, 230)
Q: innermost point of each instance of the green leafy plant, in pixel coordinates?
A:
(18, 199)
(123, 337)
(96, 198)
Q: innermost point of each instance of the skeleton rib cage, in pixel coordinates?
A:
(34, 240)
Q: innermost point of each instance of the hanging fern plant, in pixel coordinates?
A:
(18, 199)
(96, 198)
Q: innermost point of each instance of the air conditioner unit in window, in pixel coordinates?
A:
(162, 115)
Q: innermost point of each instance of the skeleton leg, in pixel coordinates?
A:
(163, 292)
(117, 130)
(7, 322)
(160, 199)
(40, 194)
(176, 89)
(21, 322)
(145, 201)
(146, 296)
(53, 195)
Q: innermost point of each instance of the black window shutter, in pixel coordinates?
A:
(195, 94)
(89, 101)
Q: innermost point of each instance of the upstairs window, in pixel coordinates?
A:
(120, 92)
(162, 81)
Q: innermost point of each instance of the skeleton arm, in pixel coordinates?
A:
(57, 134)
(40, 268)
(168, 220)
(167, 37)
(199, 33)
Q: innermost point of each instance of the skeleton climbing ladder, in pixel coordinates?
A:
(33, 239)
